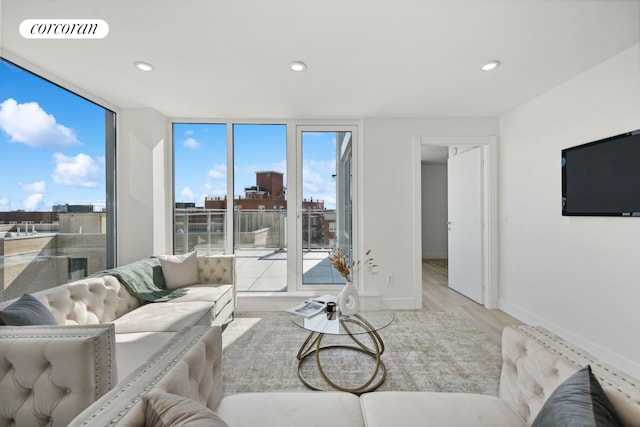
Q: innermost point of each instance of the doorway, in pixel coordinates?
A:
(433, 153)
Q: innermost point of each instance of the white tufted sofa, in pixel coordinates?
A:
(113, 334)
(535, 362)
(189, 365)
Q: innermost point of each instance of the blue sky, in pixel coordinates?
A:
(200, 160)
(52, 145)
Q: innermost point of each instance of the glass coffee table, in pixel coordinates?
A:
(363, 326)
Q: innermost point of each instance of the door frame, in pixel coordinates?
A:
(489, 208)
(295, 222)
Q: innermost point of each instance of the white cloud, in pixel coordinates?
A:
(191, 143)
(208, 190)
(5, 204)
(280, 166)
(316, 176)
(219, 171)
(187, 195)
(217, 190)
(34, 187)
(318, 181)
(312, 183)
(80, 171)
(33, 202)
(29, 124)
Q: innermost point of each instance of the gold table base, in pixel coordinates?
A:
(313, 346)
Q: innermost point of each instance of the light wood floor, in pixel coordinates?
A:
(437, 296)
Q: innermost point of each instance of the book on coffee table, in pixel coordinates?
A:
(312, 306)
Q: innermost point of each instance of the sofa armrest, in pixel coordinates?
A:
(49, 374)
(530, 373)
(189, 365)
(219, 270)
(536, 361)
(197, 375)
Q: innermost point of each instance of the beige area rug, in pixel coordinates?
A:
(427, 351)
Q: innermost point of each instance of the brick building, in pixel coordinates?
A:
(269, 194)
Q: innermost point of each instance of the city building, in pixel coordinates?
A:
(268, 198)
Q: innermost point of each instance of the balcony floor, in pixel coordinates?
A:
(263, 270)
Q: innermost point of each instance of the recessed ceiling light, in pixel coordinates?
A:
(491, 65)
(298, 66)
(143, 66)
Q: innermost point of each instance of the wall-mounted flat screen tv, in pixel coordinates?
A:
(602, 178)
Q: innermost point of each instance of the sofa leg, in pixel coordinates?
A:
(227, 322)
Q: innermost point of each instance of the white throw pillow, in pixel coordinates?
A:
(180, 270)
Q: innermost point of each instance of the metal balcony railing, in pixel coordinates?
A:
(205, 230)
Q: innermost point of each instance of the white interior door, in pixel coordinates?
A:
(464, 174)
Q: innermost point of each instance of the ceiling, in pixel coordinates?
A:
(434, 154)
(366, 58)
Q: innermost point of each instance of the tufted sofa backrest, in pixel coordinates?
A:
(536, 362)
(217, 269)
(87, 301)
(49, 374)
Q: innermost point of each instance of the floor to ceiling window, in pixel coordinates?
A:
(200, 173)
(260, 206)
(278, 196)
(56, 184)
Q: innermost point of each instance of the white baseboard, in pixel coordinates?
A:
(281, 301)
(604, 354)
(435, 255)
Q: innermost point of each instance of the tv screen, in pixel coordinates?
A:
(602, 178)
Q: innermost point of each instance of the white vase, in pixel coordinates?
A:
(348, 299)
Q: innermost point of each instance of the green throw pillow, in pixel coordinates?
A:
(26, 311)
(579, 401)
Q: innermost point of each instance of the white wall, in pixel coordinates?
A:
(390, 176)
(577, 276)
(435, 235)
(144, 183)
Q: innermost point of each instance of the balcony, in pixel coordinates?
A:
(259, 242)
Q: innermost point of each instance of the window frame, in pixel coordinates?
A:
(293, 151)
(110, 149)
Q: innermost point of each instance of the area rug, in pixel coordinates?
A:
(424, 351)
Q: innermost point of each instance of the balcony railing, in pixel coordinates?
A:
(259, 242)
(205, 230)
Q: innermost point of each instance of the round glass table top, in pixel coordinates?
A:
(372, 316)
